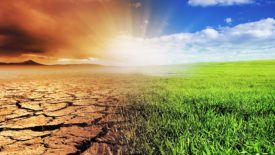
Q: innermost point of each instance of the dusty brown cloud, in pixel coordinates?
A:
(15, 40)
(60, 28)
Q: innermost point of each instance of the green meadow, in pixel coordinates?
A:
(212, 108)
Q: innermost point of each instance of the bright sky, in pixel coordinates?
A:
(181, 31)
(137, 32)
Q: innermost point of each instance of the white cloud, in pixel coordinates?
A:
(228, 20)
(205, 3)
(146, 21)
(254, 40)
(210, 33)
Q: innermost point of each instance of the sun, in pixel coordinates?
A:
(126, 50)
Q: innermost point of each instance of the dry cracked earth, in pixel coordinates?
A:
(63, 114)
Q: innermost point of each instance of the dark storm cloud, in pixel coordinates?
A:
(15, 41)
(59, 28)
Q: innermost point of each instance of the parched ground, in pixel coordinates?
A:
(63, 114)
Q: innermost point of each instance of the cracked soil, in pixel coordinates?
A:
(62, 113)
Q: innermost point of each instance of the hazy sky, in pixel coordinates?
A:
(136, 32)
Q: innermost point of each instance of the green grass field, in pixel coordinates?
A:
(219, 108)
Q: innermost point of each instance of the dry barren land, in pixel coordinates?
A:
(61, 111)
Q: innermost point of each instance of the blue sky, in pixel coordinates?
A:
(188, 31)
(181, 16)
